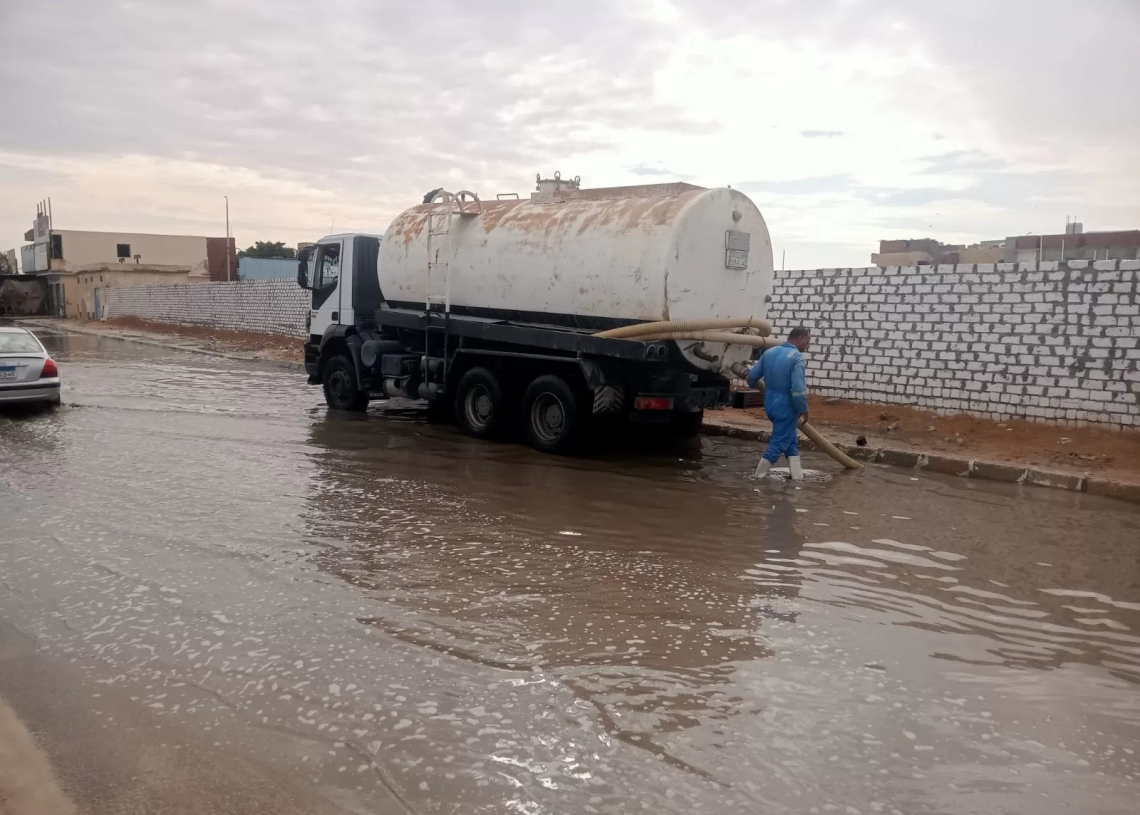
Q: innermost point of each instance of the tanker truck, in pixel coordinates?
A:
(549, 315)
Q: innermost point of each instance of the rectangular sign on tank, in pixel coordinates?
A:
(736, 246)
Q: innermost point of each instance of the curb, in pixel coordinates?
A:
(64, 325)
(979, 469)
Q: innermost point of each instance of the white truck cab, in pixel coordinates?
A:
(342, 273)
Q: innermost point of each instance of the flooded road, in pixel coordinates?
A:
(399, 619)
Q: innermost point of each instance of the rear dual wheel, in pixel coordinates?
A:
(480, 405)
(552, 420)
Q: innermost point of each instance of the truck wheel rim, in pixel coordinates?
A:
(339, 384)
(547, 417)
(478, 406)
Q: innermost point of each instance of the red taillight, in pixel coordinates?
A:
(49, 370)
(653, 403)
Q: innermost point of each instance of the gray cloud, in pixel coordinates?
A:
(812, 185)
(990, 182)
(414, 90)
(1035, 70)
(383, 100)
(958, 161)
(656, 171)
(905, 198)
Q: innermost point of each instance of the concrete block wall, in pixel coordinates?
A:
(1055, 342)
(265, 306)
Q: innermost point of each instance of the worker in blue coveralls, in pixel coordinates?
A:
(784, 370)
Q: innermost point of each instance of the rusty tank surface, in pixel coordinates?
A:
(591, 258)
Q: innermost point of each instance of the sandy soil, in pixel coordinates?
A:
(269, 346)
(27, 783)
(1107, 453)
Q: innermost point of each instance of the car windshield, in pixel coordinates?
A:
(19, 343)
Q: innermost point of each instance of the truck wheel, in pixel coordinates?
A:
(339, 380)
(687, 425)
(551, 418)
(480, 407)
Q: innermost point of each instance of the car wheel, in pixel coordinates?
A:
(341, 391)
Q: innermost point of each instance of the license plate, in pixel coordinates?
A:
(7, 373)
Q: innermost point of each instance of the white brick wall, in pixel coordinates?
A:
(1050, 343)
(266, 306)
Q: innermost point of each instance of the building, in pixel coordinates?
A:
(251, 268)
(69, 250)
(78, 263)
(1073, 245)
(216, 259)
(82, 294)
(927, 251)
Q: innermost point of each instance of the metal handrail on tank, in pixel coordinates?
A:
(466, 196)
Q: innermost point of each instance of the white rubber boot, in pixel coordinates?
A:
(795, 468)
(762, 468)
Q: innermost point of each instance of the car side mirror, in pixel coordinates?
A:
(303, 268)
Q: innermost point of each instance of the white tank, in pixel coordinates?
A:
(593, 259)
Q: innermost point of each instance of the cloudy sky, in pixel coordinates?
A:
(847, 121)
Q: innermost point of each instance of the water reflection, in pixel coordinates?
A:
(632, 590)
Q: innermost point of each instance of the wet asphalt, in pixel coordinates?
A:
(218, 597)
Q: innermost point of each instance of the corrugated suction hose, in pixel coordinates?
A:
(667, 326)
(726, 337)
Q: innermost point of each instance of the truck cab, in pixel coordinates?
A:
(341, 273)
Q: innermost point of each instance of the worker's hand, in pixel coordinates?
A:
(804, 418)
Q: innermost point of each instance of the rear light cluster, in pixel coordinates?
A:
(653, 403)
(49, 370)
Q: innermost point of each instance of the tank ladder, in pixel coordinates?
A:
(442, 209)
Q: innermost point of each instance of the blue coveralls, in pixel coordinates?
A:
(783, 370)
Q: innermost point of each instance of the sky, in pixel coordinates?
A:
(846, 121)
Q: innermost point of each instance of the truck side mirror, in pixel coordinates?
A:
(303, 268)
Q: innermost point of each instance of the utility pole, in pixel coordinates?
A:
(229, 263)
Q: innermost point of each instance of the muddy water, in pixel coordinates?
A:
(413, 620)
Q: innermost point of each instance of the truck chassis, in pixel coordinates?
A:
(555, 383)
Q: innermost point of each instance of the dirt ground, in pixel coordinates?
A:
(269, 346)
(1103, 452)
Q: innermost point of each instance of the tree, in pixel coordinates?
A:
(268, 249)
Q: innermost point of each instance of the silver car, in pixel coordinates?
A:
(28, 374)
